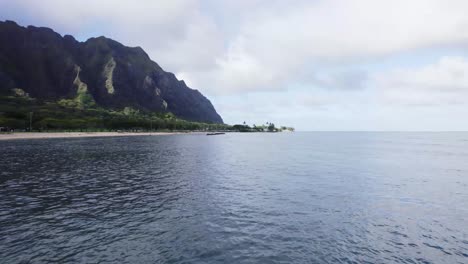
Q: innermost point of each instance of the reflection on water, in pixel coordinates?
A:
(237, 198)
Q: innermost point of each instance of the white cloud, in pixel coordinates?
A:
(175, 33)
(312, 64)
(274, 44)
(239, 46)
(443, 82)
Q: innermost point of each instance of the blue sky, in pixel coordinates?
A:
(315, 65)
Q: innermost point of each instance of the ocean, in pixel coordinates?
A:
(304, 197)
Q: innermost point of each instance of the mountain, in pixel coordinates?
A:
(42, 64)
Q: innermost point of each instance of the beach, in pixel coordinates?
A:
(44, 135)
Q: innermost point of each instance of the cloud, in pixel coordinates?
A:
(174, 33)
(278, 42)
(242, 46)
(316, 64)
(346, 80)
(421, 97)
(439, 83)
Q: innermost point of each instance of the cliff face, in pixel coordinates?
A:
(48, 66)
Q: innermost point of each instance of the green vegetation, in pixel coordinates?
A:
(268, 127)
(21, 112)
(82, 114)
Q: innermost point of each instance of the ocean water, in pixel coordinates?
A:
(320, 197)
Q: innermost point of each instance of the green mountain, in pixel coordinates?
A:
(39, 67)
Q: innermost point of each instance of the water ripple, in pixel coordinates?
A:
(274, 198)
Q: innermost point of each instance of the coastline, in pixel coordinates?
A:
(45, 135)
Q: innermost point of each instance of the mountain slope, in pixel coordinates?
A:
(45, 65)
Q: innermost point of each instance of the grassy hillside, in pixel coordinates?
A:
(81, 114)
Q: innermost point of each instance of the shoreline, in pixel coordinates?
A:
(46, 135)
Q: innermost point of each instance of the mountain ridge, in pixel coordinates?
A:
(41, 63)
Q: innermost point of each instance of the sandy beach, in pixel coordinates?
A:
(42, 135)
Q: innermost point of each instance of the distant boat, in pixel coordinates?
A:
(215, 133)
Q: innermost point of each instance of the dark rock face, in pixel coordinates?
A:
(48, 66)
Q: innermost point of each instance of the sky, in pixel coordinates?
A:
(359, 65)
